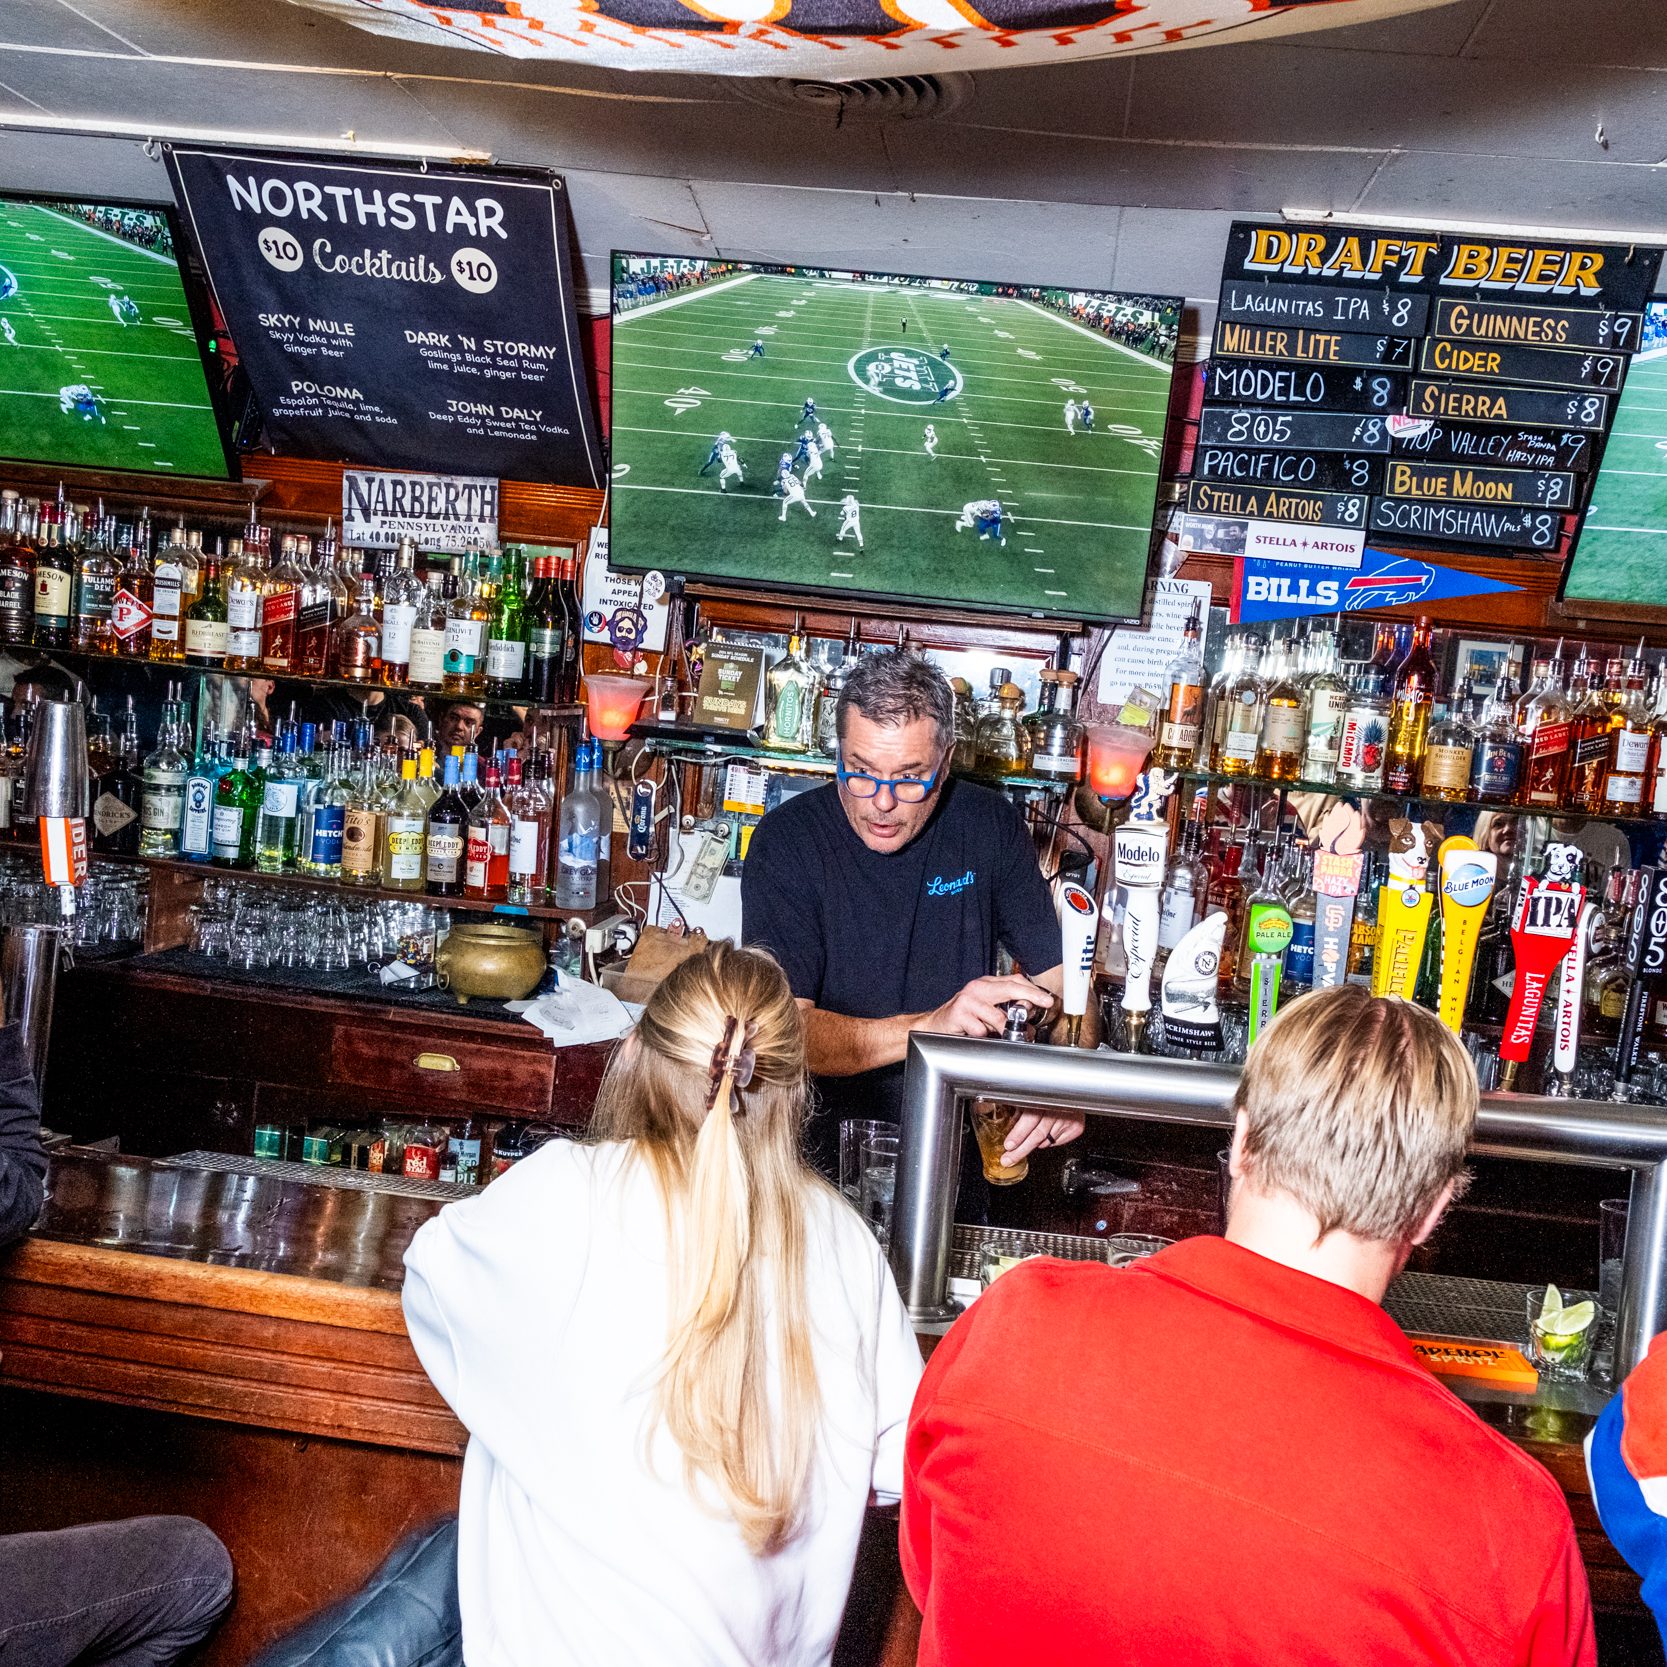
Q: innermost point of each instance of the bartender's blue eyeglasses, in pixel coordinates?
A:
(906, 790)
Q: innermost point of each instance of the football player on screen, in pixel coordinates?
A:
(731, 470)
(808, 415)
(825, 435)
(793, 492)
(1070, 416)
(930, 443)
(850, 519)
(813, 457)
(716, 455)
(1087, 417)
(756, 351)
(784, 472)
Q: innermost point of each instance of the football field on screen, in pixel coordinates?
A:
(1077, 507)
(59, 330)
(1622, 554)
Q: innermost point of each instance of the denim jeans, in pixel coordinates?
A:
(137, 1593)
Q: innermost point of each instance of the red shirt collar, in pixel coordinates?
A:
(1285, 1297)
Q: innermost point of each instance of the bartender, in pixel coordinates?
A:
(886, 896)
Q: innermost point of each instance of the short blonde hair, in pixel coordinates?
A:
(1359, 1106)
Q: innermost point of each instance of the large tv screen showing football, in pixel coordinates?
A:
(990, 446)
(1620, 559)
(100, 362)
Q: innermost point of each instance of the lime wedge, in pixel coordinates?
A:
(1553, 1301)
(1572, 1321)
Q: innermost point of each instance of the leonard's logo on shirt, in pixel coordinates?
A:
(938, 886)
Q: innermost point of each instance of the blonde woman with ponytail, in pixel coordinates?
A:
(681, 1359)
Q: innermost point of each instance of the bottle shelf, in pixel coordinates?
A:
(1339, 790)
(471, 905)
(79, 657)
(702, 751)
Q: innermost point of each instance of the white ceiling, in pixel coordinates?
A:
(1118, 173)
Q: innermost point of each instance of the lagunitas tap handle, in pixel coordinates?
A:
(1467, 881)
(1646, 959)
(1336, 881)
(1566, 1048)
(1404, 908)
(1543, 931)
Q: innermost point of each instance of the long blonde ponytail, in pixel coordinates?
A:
(711, 1089)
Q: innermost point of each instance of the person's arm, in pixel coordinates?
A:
(22, 1157)
(841, 1046)
(1559, 1631)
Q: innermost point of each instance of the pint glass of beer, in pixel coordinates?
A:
(991, 1123)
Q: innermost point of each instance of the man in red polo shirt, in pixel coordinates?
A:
(1228, 1453)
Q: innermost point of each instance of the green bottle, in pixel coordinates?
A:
(506, 642)
(236, 805)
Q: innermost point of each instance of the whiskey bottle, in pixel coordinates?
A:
(468, 615)
(1630, 744)
(1588, 739)
(131, 616)
(359, 638)
(427, 668)
(245, 583)
(1445, 774)
(1182, 724)
(1213, 726)
(1545, 722)
(1284, 720)
(207, 635)
(17, 571)
(506, 639)
(95, 590)
(1410, 706)
(54, 579)
(170, 596)
(403, 595)
(280, 609)
(1496, 762)
(1244, 705)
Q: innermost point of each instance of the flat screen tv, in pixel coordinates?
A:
(1620, 559)
(101, 358)
(990, 446)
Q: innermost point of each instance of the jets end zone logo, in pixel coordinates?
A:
(905, 376)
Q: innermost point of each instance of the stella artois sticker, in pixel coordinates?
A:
(128, 614)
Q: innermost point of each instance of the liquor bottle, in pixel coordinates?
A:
(116, 787)
(506, 638)
(1284, 720)
(131, 616)
(169, 590)
(245, 582)
(1588, 739)
(529, 833)
(322, 594)
(426, 784)
(278, 814)
(1183, 718)
(95, 590)
(486, 851)
(1496, 762)
(468, 783)
(427, 668)
(468, 616)
(1212, 729)
(1445, 774)
(162, 800)
(1055, 734)
(359, 638)
(792, 686)
(236, 802)
(1608, 978)
(54, 579)
(578, 841)
(1627, 772)
(405, 831)
(1363, 930)
(1181, 902)
(1365, 738)
(1328, 701)
(403, 595)
(17, 571)
(572, 607)
(1544, 722)
(1410, 706)
(280, 610)
(328, 822)
(448, 827)
(362, 828)
(1001, 740)
(196, 834)
(207, 635)
(1655, 794)
(1243, 705)
(546, 634)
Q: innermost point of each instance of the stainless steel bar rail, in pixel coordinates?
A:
(944, 1071)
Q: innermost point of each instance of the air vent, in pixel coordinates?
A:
(877, 99)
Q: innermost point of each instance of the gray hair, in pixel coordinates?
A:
(894, 687)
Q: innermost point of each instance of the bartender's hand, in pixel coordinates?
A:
(980, 1008)
(1034, 1129)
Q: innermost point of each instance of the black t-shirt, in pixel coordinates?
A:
(872, 934)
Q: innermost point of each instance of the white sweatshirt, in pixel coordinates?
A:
(539, 1310)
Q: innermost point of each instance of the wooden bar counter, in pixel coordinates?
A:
(230, 1345)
